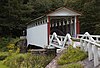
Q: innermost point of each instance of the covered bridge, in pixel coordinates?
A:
(61, 21)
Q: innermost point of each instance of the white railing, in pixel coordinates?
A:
(61, 38)
(60, 41)
(95, 37)
(91, 46)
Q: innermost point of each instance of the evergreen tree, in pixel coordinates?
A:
(15, 13)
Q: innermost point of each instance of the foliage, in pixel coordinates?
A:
(27, 61)
(73, 65)
(7, 43)
(12, 45)
(3, 55)
(71, 55)
(15, 13)
(3, 43)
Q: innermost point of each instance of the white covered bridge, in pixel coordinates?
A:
(54, 29)
(61, 21)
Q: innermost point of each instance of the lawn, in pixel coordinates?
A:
(2, 65)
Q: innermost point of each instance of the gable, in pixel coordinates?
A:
(63, 12)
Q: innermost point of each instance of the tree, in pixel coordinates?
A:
(41, 7)
(14, 13)
(90, 18)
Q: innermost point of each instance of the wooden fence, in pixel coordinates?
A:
(91, 46)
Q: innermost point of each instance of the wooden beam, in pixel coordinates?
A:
(48, 23)
(75, 25)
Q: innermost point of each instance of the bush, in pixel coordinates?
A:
(27, 61)
(73, 65)
(3, 43)
(12, 44)
(8, 43)
(3, 55)
(71, 55)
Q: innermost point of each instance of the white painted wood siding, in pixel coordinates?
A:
(37, 35)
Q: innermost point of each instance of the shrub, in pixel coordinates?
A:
(3, 55)
(71, 55)
(8, 43)
(27, 61)
(3, 43)
(73, 65)
(12, 44)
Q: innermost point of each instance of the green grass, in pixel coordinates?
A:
(71, 55)
(73, 65)
(2, 65)
(27, 61)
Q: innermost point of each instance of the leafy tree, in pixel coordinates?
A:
(41, 7)
(90, 18)
(15, 13)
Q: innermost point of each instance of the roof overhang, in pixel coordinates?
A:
(63, 12)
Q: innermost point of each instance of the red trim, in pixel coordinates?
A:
(77, 26)
(48, 28)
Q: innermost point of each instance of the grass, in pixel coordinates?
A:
(71, 55)
(27, 61)
(2, 65)
(73, 65)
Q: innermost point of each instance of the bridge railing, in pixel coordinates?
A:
(90, 45)
(95, 37)
(61, 40)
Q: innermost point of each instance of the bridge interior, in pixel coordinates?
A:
(62, 25)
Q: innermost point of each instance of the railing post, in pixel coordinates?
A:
(61, 39)
(85, 46)
(90, 53)
(57, 39)
(97, 39)
(82, 48)
(67, 37)
(96, 57)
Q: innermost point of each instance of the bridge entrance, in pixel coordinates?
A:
(62, 25)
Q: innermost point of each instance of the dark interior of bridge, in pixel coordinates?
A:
(59, 26)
